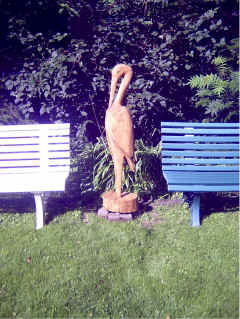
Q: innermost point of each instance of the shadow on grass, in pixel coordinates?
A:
(59, 204)
(56, 203)
(212, 203)
(17, 203)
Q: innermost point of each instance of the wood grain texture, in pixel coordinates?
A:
(127, 203)
(118, 125)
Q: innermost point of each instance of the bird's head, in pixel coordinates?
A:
(117, 72)
(121, 69)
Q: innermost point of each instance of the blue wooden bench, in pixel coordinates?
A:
(200, 157)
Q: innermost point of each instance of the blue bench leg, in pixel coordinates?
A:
(195, 211)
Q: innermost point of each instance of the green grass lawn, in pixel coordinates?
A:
(153, 267)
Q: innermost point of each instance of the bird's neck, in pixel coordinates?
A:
(121, 92)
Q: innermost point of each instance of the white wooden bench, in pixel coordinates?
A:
(35, 159)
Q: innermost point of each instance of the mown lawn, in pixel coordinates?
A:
(153, 267)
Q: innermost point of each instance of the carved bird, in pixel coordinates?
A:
(118, 125)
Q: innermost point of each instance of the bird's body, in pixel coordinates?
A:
(118, 125)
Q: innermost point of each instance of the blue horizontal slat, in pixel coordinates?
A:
(195, 146)
(200, 153)
(206, 178)
(189, 124)
(200, 168)
(203, 188)
(189, 138)
(203, 131)
(204, 161)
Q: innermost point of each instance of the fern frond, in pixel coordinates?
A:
(234, 83)
(214, 107)
(204, 93)
(203, 81)
(219, 60)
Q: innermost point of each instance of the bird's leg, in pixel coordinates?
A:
(118, 168)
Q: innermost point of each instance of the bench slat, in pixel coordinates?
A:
(190, 138)
(32, 155)
(203, 188)
(201, 168)
(204, 161)
(206, 125)
(33, 148)
(31, 127)
(32, 133)
(22, 171)
(207, 178)
(200, 154)
(199, 131)
(19, 163)
(20, 156)
(195, 146)
(20, 141)
(33, 140)
(32, 162)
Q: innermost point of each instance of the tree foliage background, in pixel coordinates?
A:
(56, 57)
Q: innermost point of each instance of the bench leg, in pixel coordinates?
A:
(39, 215)
(195, 211)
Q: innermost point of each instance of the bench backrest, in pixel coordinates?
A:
(40, 148)
(200, 156)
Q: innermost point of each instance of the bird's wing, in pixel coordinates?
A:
(120, 131)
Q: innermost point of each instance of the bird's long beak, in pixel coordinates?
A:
(112, 91)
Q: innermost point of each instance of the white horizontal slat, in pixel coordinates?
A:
(19, 163)
(57, 155)
(59, 147)
(12, 171)
(26, 155)
(30, 127)
(61, 161)
(20, 148)
(19, 141)
(58, 139)
(33, 148)
(33, 140)
(34, 162)
(6, 134)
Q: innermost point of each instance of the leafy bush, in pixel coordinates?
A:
(147, 180)
(59, 70)
(218, 92)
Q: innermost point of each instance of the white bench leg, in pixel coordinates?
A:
(39, 215)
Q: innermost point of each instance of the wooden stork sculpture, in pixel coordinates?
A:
(119, 132)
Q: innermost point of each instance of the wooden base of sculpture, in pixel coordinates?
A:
(127, 203)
